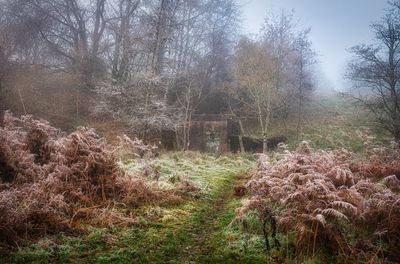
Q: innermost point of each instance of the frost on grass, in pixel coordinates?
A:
(331, 200)
(192, 169)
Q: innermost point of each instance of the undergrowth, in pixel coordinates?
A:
(161, 232)
(335, 205)
(51, 181)
(73, 198)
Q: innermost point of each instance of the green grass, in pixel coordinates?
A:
(335, 122)
(201, 169)
(199, 230)
(196, 231)
(329, 121)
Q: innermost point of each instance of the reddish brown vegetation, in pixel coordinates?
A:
(382, 162)
(49, 181)
(330, 200)
(240, 190)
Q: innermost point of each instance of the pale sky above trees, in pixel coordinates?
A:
(336, 25)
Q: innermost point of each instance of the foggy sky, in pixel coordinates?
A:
(336, 25)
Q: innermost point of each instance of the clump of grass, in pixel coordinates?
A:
(202, 170)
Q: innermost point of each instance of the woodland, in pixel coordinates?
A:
(98, 103)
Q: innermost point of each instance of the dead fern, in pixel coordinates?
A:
(324, 198)
(50, 181)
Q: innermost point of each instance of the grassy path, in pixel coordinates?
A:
(201, 236)
(198, 238)
(196, 231)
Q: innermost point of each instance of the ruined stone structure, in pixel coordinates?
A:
(209, 133)
(218, 134)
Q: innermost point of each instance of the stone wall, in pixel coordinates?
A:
(209, 133)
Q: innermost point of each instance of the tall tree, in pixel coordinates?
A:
(71, 29)
(375, 72)
(303, 59)
(273, 75)
(121, 30)
(256, 72)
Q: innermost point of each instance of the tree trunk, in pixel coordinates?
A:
(299, 116)
(300, 105)
(188, 130)
(265, 146)
(157, 61)
(241, 133)
(241, 144)
(185, 128)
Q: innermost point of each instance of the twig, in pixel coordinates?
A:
(22, 100)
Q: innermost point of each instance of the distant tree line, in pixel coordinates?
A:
(153, 64)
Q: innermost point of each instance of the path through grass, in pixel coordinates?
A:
(196, 231)
(198, 241)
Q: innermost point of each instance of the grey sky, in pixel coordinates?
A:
(336, 25)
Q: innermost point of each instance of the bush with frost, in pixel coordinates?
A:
(50, 180)
(329, 200)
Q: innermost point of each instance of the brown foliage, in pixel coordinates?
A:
(240, 190)
(50, 180)
(326, 203)
(129, 148)
(382, 162)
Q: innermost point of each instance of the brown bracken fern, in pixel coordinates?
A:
(51, 181)
(325, 197)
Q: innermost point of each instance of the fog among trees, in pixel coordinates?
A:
(152, 65)
(158, 131)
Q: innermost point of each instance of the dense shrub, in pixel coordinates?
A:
(329, 201)
(49, 180)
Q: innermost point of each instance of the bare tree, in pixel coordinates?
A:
(121, 31)
(302, 82)
(256, 72)
(72, 29)
(72, 32)
(154, 53)
(189, 93)
(273, 75)
(375, 72)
